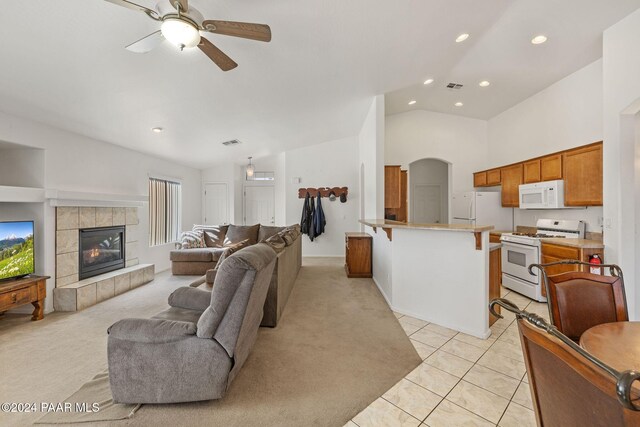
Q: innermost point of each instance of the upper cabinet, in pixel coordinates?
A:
(392, 187)
(551, 167)
(583, 176)
(480, 179)
(494, 177)
(581, 169)
(512, 177)
(531, 171)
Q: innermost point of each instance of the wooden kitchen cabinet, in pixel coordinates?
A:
(400, 214)
(495, 275)
(392, 187)
(551, 167)
(512, 177)
(583, 176)
(553, 252)
(480, 179)
(493, 177)
(358, 254)
(531, 171)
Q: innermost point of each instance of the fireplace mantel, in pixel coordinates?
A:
(86, 199)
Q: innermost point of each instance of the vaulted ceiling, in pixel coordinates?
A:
(64, 64)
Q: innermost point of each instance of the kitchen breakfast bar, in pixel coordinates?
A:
(435, 272)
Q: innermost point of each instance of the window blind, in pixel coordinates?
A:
(164, 211)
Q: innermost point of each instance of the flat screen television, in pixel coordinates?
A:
(16, 249)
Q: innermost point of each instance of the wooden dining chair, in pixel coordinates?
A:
(579, 300)
(570, 387)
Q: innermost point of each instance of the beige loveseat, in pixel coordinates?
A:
(199, 261)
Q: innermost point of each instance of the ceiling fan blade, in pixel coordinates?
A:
(184, 5)
(245, 30)
(129, 5)
(146, 43)
(216, 55)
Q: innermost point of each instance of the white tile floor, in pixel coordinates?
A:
(462, 381)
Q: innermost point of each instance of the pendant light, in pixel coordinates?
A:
(250, 168)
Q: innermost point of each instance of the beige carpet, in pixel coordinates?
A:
(338, 348)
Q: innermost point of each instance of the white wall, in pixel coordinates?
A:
(425, 134)
(78, 163)
(621, 94)
(21, 167)
(330, 164)
(564, 115)
(371, 157)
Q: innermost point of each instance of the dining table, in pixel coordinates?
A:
(617, 344)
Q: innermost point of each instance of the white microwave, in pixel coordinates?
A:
(542, 195)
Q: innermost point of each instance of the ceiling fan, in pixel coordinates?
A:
(182, 26)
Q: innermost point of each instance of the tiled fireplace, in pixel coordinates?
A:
(96, 255)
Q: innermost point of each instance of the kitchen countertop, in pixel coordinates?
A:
(500, 231)
(385, 223)
(575, 243)
(494, 246)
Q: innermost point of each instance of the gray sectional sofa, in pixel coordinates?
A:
(286, 241)
(193, 350)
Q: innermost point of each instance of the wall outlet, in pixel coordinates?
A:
(600, 221)
(296, 180)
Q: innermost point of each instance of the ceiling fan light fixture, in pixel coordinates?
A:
(180, 33)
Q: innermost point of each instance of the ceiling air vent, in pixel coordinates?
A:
(232, 142)
(454, 86)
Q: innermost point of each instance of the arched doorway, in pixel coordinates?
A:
(429, 191)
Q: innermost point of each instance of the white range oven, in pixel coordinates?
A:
(520, 250)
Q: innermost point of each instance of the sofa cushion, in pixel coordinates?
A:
(238, 233)
(267, 231)
(194, 255)
(192, 239)
(213, 234)
(228, 251)
(276, 242)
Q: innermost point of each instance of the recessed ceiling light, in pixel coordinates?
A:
(428, 81)
(484, 83)
(458, 104)
(539, 39)
(157, 130)
(462, 37)
(413, 101)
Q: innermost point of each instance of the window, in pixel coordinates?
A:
(165, 201)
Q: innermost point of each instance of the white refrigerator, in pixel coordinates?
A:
(481, 208)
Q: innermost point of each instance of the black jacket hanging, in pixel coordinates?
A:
(319, 220)
(312, 213)
(305, 221)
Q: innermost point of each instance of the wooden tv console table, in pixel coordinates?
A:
(31, 289)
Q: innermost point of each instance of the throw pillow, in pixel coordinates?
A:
(267, 231)
(238, 233)
(192, 239)
(276, 242)
(213, 234)
(229, 250)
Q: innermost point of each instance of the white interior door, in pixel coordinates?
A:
(259, 205)
(216, 204)
(426, 203)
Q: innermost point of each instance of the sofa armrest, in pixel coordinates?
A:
(151, 331)
(190, 298)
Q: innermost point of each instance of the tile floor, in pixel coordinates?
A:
(462, 381)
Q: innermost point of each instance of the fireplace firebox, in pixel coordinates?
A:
(101, 250)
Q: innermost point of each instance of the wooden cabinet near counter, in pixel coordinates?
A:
(583, 176)
(551, 167)
(392, 185)
(495, 276)
(554, 252)
(480, 179)
(511, 179)
(358, 255)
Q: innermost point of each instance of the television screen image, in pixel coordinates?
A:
(16, 249)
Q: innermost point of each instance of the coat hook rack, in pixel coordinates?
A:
(324, 191)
